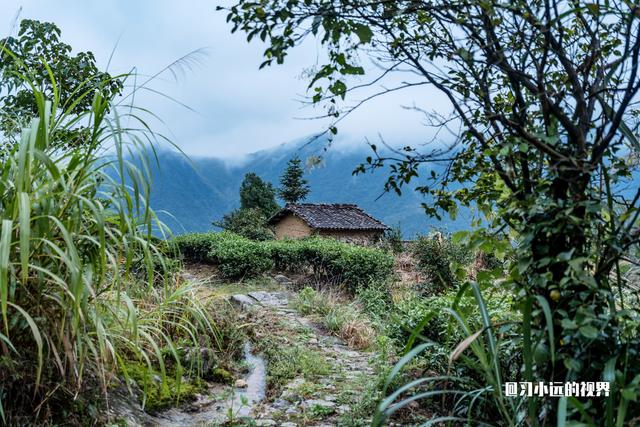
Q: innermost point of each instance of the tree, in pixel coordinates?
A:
(258, 194)
(544, 93)
(257, 204)
(293, 187)
(250, 223)
(38, 53)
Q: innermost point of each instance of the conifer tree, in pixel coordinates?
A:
(293, 187)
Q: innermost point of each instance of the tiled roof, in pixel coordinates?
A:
(330, 216)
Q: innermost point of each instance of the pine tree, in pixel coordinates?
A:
(293, 187)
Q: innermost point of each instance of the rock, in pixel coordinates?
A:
(295, 383)
(283, 280)
(266, 422)
(343, 409)
(288, 424)
(318, 402)
(279, 403)
(290, 411)
(241, 383)
(266, 298)
(242, 300)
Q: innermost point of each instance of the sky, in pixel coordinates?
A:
(234, 108)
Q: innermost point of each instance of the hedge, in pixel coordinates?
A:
(235, 256)
(327, 259)
(332, 260)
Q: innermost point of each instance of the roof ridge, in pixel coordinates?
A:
(345, 216)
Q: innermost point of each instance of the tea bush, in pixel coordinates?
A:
(327, 259)
(192, 246)
(331, 260)
(238, 257)
(375, 300)
(288, 255)
(442, 327)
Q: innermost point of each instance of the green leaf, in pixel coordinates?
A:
(5, 249)
(549, 321)
(568, 324)
(338, 88)
(589, 331)
(352, 70)
(363, 32)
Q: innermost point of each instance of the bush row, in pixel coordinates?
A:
(327, 259)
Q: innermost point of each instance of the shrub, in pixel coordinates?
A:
(193, 246)
(234, 255)
(327, 259)
(442, 327)
(392, 240)
(358, 266)
(288, 255)
(375, 300)
(405, 316)
(238, 257)
(249, 222)
(435, 255)
(331, 260)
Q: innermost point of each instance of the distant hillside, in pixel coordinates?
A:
(190, 193)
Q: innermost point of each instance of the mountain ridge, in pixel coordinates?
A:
(188, 194)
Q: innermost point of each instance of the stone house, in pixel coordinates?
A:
(344, 222)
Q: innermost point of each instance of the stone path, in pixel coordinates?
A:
(325, 401)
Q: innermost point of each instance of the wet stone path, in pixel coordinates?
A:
(325, 400)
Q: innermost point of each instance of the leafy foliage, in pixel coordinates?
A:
(327, 259)
(437, 257)
(293, 187)
(331, 260)
(545, 93)
(249, 223)
(392, 240)
(237, 257)
(38, 57)
(72, 242)
(257, 204)
(258, 194)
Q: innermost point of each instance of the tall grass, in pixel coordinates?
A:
(75, 228)
(469, 398)
(493, 353)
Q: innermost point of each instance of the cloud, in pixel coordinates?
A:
(239, 109)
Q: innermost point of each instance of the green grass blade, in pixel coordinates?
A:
(38, 339)
(546, 309)
(5, 249)
(25, 234)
